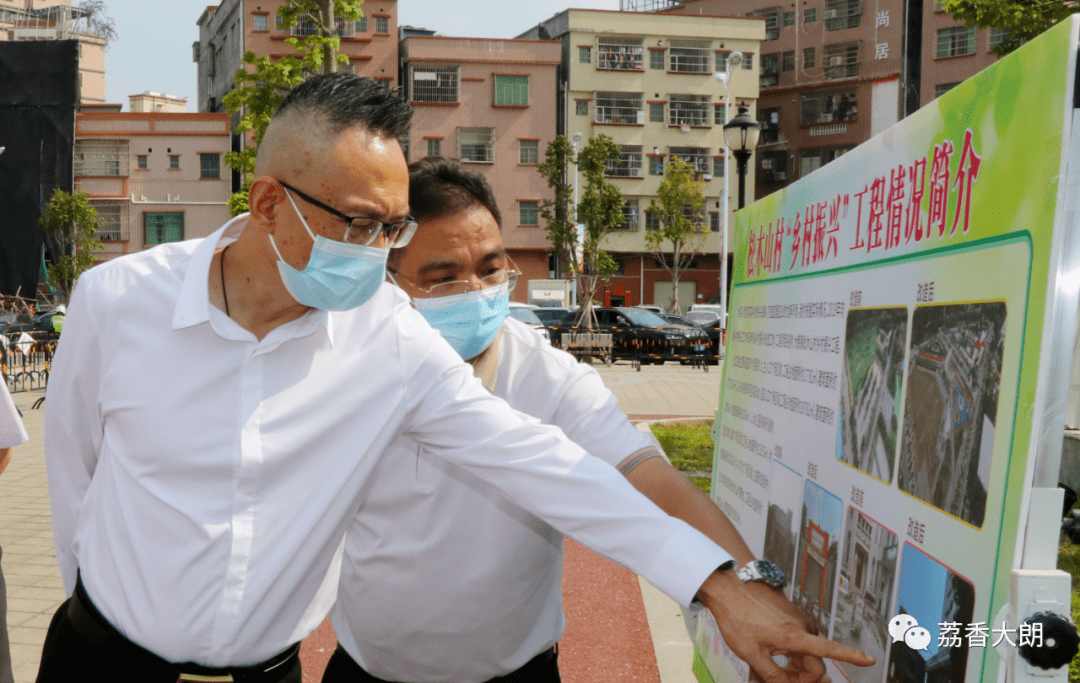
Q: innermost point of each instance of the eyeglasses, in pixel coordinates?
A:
(463, 286)
(366, 229)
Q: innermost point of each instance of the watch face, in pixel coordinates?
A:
(773, 575)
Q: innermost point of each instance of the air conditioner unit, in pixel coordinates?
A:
(830, 14)
(836, 61)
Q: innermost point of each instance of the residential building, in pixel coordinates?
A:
(153, 177)
(58, 20)
(492, 104)
(834, 73)
(152, 101)
(645, 80)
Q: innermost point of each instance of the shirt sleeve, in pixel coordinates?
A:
(537, 467)
(73, 424)
(12, 432)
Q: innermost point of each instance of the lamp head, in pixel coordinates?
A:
(734, 59)
(720, 78)
(577, 137)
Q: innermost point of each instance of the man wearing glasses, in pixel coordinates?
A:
(459, 276)
(218, 408)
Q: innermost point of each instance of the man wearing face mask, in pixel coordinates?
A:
(507, 563)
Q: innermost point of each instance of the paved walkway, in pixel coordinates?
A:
(608, 607)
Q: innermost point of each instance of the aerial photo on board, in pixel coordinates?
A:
(872, 376)
(950, 409)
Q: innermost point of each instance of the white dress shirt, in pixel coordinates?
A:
(444, 579)
(12, 432)
(202, 480)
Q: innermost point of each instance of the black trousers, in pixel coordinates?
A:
(82, 645)
(543, 668)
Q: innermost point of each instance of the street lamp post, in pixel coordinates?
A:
(733, 60)
(741, 135)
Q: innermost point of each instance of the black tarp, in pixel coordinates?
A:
(39, 90)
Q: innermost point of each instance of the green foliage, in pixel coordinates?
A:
(558, 169)
(679, 193)
(72, 222)
(1024, 19)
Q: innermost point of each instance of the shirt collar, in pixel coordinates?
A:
(193, 305)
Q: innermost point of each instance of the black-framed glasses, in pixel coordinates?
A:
(463, 286)
(366, 229)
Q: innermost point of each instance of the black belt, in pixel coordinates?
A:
(344, 667)
(93, 627)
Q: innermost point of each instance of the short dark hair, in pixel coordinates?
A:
(439, 187)
(344, 100)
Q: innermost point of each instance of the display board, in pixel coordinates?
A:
(886, 385)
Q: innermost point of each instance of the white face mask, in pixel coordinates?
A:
(469, 321)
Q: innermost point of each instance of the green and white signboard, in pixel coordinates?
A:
(895, 379)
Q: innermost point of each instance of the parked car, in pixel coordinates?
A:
(526, 313)
(9, 319)
(677, 320)
(700, 318)
(655, 309)
(642, 335)
(41, 324)
(713, 330)
(552, 316)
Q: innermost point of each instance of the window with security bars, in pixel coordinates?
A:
(719, 118)
(111, 220)
(511, 90)
(101, 157)
(162, 227)
(528, 213)
(584, 54)
(748, 62)
(656, 165)
(435, 84)
(956, 41)
(841, 60)
(772, 166)
(476, 144)
(361, 25)
(260, 22)
(809, 57)
(721, 62)
(812, 159)
(382, 24)
(789, 19)
(656, 113)
(656, 59)
(809, 15)
(689, 56)
(698, 157)
(689, 110)
(614, 52)
(772, 21)
(630, 215)
(841, 14)
(346, 29)
(434, 148)
(718, 167)
(770, 124)
(942, 88)
(770, 69)
(828, 107)
(619, 107)
(714, 221)
(529, 151)
(628, 165)
(651, 221)
(209, 165)
(998, 36)
(787, 60)
(581, 108)
(303, 27)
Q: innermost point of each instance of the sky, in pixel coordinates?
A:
(154, 49)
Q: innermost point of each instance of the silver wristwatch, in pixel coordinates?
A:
(764, 571)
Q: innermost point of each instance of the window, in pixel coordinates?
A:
(841, 60)
(142, 162)
(721, 61)
(787, 61)
(714, 221)
(812, 159)
(656, 113)
(841, 14)
(528, 213)
(651, 221)
(529, 151)
(620, 53)
(349, 68)
(697, 157)
(828, 107)
(689, 110)
(809, 57)
(512, 90)
(689, 56)
(789, 19)
(772, 21)
(770, 69)
(770, 124)
(111, 219)
(163, 227)
(656, 165)
(174, 162)
(718, 115)
(101, 157)
(619, 107)
(582, 107)
(772, 166)
(628, 165)
(956, 41)
(809, 15)
(476, 144)
(656, 59)
(435, 84)
(382, 24)
(718, 167)
(630, 215)
(942, 88)
(998, 36)
(346, 29)
(260, 23)
(748, 62)
(209, 165)
(361, 25)
(434, 148)
(584, 55)
(303, 28)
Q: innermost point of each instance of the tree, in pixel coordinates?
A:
(558, 169)
(599, 211)
(677, 206)
(97, 22)
(261, 83)
(1022, 19)
(70, 221)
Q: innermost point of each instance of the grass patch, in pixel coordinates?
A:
(689, 447)
(702, 483)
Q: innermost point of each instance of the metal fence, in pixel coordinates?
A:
(25, 360)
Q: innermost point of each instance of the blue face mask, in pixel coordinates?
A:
(470, 321)
(338, 277)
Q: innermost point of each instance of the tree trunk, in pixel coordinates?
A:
(326, 16)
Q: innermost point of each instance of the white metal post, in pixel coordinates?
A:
(734, 59)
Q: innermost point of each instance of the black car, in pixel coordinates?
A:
(551, 316)
(713, 330)
(640, 335)
(40, 325)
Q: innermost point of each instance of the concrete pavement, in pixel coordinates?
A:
(33, 579)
